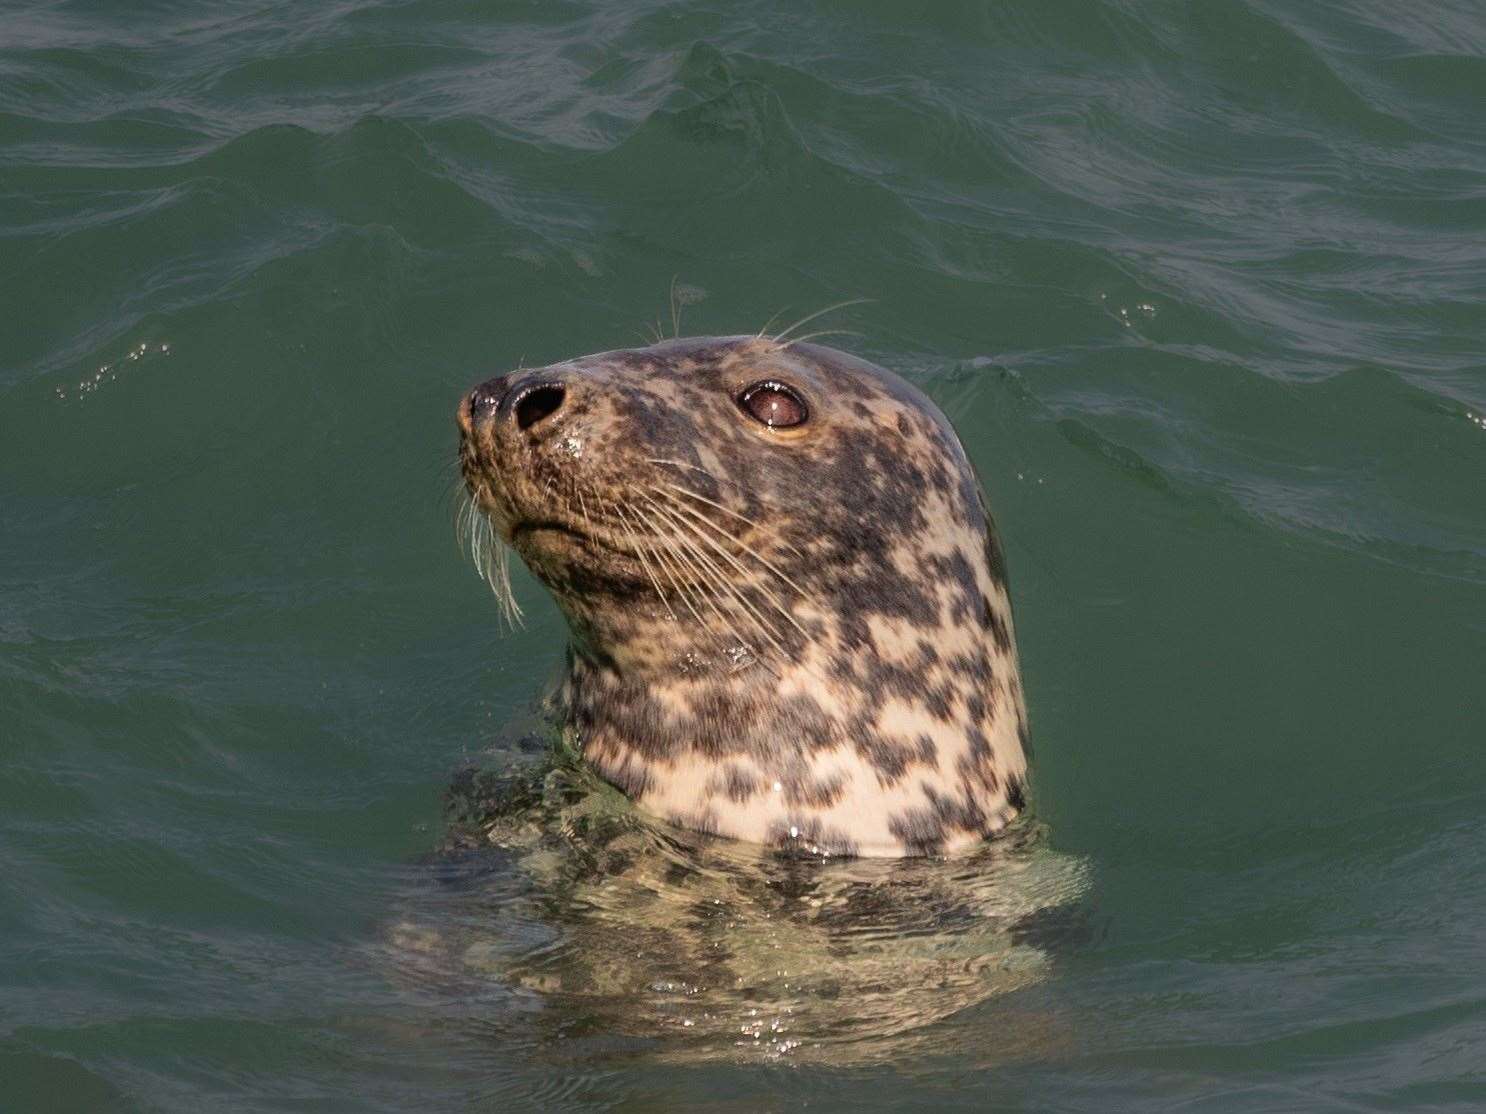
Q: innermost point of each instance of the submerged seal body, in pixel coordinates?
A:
(788, 605)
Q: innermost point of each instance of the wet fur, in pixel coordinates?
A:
(795, 637)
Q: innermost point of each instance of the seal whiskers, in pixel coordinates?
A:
(491, 558)
(640, 552)
(678, 580)
(675, 546)
(713, 503)
(779, 336)
(675, 311)
(704, 575)
(751, 580)
(819, 333)
(744, 546)
(583, 506)
(718, 578)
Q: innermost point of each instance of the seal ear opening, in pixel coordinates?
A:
(538, 404)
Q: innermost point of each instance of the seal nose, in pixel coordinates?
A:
(484, 399)
(536, 404)
(527, 403)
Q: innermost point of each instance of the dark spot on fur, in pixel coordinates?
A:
(1016, 795)
(703, 821)
(995, 555)
(936, 701)
(991, 619)
(925, 829)
(805, 791)
(807, 836)
(956, 571)
(740, 784)
(919, 830)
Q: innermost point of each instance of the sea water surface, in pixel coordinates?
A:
(1201, 282)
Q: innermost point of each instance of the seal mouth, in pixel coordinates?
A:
(546, 525)
(582, 551)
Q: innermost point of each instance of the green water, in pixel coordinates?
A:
(1202, 284)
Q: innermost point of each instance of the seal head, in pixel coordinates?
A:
(789, 613)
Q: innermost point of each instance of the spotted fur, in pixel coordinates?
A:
(800, 637)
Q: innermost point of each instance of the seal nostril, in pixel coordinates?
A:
(481, 403)
(537, 404)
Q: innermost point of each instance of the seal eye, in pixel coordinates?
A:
(774, 404)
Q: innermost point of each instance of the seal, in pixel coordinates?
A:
(787, 601)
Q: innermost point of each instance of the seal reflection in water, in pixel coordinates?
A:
(788, 606)
(577, 928)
